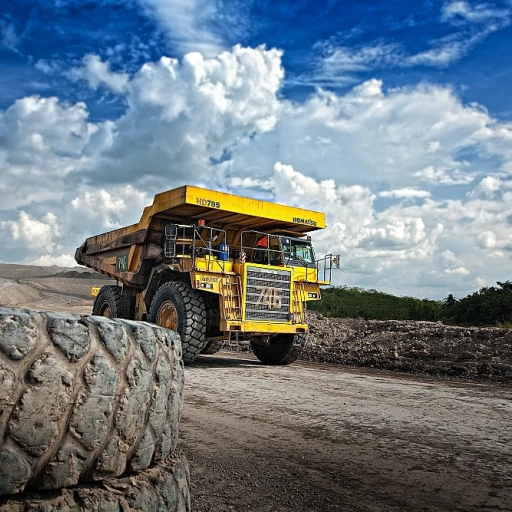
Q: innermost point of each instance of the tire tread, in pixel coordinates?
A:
(71, 414)
(286, 350)
(165, 486)
(113, 296)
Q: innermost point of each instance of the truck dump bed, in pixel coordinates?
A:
(122, 253)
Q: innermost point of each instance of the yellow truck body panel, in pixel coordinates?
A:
(220, 207)
(118, 253)
(194, 203)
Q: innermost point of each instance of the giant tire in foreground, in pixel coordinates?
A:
(84, 398)
(162, 487)
(179, 307)
(282, 349)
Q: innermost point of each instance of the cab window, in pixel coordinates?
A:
(297, 252)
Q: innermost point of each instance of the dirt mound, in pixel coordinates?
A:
(48, 288)
(75, 274)
(15, 294)
(409, 346)
(417, 347)
(12, 271)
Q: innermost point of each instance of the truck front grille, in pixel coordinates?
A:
(268, 294)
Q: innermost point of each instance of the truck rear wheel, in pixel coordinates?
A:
(109, 303)
(178, 307)
(212, 347)
(282, 349)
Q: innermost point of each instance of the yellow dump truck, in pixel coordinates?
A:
(214, 266)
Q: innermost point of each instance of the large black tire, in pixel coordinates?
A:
(109, 302)
(282, 349)
(84, 398)
(190, 315)
(162, 487)
(212, 347)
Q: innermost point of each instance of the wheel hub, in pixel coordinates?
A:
(107, 312)
(167, 316)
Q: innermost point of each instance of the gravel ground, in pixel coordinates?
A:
(314, 437)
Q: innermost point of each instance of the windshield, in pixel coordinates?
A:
(297, 252)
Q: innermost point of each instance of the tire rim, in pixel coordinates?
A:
(107, 312)
(168, 316)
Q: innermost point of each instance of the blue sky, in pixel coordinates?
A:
(60, 33)
(393, 117)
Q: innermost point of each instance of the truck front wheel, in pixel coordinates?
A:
(178, 307)
(281, 349)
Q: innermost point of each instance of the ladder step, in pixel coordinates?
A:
(230, 286)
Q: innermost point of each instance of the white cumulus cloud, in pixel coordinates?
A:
(182, 115)
(486, 240)
(107, 209)
(221, 122)
(47, 260)
(488, 187)
(459, 271)
(42, 143)
(405, 193)
(31, 233)
(96, 73)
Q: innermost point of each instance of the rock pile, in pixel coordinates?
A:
(418, 347)
(408, 346)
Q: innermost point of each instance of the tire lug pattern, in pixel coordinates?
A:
(165, 486)
(84, 397)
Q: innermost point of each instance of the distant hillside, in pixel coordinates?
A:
(13, 271)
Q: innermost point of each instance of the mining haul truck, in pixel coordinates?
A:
(214, 267)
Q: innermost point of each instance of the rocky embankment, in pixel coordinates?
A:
(407, 346)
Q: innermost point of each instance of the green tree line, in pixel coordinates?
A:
(491, 305)
(487, 307)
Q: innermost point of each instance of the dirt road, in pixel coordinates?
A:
(47, 288)
(311, 437)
